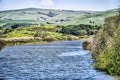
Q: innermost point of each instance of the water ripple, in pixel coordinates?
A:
(65, 60)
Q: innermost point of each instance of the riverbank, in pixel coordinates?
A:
(105, 48)
(2, 45)
(88, 42)
(29, 40)
(88, 45)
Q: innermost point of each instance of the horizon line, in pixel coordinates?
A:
(55, 9)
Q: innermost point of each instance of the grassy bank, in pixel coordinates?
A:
(106, 46)
(27, 33)
(19, 33)
(23, 40)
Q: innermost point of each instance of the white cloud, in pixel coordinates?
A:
(46, 2)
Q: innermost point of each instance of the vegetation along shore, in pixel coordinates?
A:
(105, 47)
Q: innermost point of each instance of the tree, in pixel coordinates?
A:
(82, 32)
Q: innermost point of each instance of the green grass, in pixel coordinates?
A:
(47, 32)
(19, 33)
(38, 16)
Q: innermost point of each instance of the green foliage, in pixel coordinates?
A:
(19, 32)
(86, 45)
(106, 46)
(7, 30)
(80, 30)
(41, 33)
(53, 36)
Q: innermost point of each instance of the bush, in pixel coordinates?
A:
(86, 45)
(80, 30)
(106, 46)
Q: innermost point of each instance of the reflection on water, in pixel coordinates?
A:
(2, 45)
(64, 60)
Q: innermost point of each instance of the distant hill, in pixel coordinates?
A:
(50, 16)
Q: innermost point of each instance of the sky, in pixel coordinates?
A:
(91, 5)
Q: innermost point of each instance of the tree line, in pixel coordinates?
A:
(80, 30)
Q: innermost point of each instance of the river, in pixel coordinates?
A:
(63, 60)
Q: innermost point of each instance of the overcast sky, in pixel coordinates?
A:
(93, 5)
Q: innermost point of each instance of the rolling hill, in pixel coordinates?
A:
(50, 16)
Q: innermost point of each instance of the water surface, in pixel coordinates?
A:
(64, 60)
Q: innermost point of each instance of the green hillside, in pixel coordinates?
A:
(50, 16)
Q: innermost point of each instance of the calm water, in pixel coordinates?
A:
(64, 60)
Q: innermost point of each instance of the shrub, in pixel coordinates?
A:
(86, 45)
(106, 46)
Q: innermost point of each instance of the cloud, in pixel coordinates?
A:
(47, 2)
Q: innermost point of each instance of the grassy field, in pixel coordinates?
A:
(34, 33)
(59, 17)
